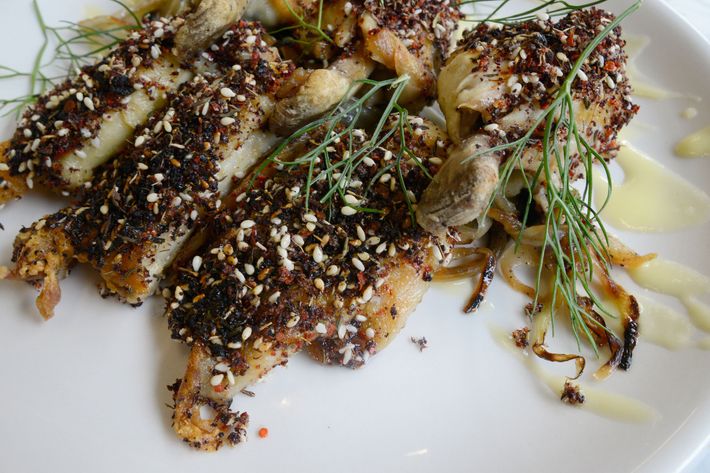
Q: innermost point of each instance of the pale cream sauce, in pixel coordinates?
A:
(651, 198)
(695, 145)
(681, 282)
(664, 326)
(597, 401)
(635, 45)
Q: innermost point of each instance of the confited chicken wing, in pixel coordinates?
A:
(89, 118)
(142, 207)
(499, 81)
(288, 270)
(355, 37)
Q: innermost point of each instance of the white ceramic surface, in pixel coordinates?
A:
(86, 391)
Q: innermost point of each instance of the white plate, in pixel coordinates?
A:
(86, 391)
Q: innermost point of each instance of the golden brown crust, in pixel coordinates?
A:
(224, 427)
(11, 187)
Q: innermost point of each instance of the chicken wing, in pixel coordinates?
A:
(89, 118)
(499, 81)
(283, 274)
(142, 207)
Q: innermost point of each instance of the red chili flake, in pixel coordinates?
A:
(219, 388)
(610, 66)
(263, 432)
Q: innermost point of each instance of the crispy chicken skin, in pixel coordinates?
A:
(83, 122)
(401, 37)
(499, 81)
(279, 277)
(141, 208)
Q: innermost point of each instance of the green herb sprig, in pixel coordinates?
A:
(64, 50)
(340, 125)
(552, 8)
(570, 211)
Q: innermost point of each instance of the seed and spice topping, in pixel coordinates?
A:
(530, 61)
(160, 187)
(281, 275)
(68, 118)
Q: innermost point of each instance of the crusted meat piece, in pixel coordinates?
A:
(499, 80)
(140, 209)
(402, 37)
(281, 275)
(86, 120)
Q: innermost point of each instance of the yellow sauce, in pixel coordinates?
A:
(695, 145)
(661, 325)
(635, 45)
(650, 198)
(681, 282)
(597, 401)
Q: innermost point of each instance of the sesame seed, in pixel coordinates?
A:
(320, 328)
(332, 270)
(152, 197)
(241, 98)
(142, 166)
(217, 379)
(319, 284)
(234, 345)
(358, 264)
(88, 103)
(370, 332)
(368, 161)
(249, 269)
(298, 239)
(155, 51)
(582, 75)
(221, 367)
(227, 92)
(361, 233)
(347, 211)
(139, 141)
(347, 355)
(293, 321)
(246, 333)
(258, 289)
(562, 56)
(230, 378)
(318, 254)
(227, 121)
(341, 331)
(196, 262)
(367, 294)
(4, 167)
(310, 218)
(360, 318)
(80, 154)
(104, 209)
(247, 224)
(285, 241)
(274, 297)
(351, 199)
